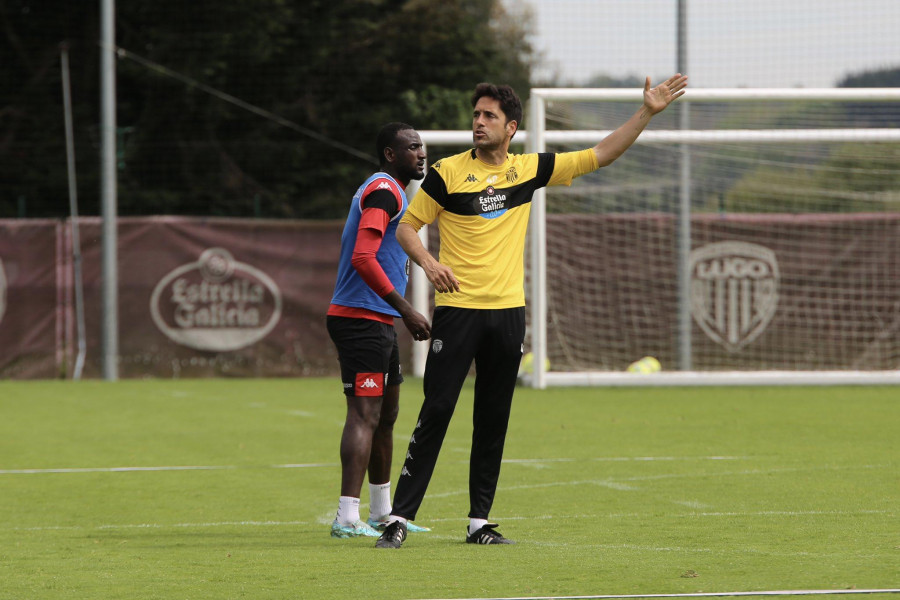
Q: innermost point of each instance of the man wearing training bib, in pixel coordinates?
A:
(368, 296)
(481, 200)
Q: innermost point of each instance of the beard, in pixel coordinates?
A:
(491, 140)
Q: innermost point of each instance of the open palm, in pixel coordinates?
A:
(659, 97)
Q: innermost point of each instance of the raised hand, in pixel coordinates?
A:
(658, 98)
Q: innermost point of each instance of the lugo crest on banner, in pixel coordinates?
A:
(216, 303)
(734, 291)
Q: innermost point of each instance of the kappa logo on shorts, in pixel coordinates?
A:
(369, 384)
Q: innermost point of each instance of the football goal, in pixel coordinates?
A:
(751, 236)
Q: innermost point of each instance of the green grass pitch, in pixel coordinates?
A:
(607, 491)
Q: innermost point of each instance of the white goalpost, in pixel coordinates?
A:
(761, 246)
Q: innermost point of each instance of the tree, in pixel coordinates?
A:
(852, 177)
(245, 107)
(875, 78)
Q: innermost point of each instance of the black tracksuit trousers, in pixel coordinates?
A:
(494, 340)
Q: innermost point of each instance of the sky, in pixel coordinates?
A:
(742, 43)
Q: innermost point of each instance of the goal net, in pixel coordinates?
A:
(750, 236)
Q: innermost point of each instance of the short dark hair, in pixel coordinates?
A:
(505, 95)
(386, 138)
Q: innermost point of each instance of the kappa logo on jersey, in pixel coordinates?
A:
(436, 166)
(369, 384)
(384, 185)
(471, 178)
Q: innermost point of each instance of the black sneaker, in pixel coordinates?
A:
(487, 535)
(393, 537)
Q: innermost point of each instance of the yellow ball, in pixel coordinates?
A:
(644, 366)
(527, 364)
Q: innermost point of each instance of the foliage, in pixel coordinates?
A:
(889, 77)
(852, 178)
(244, 107)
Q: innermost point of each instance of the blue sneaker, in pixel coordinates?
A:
(358, 529)
(380, 524)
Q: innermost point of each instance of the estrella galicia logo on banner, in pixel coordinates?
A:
(734, 291)
(216, 303)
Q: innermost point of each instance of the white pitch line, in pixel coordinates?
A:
(125, 526)
(326, 519)
(158, 469)
(696, 595)
(113, 469)
(313, 465)
(621, 459)
(759, 513)
(304, 465)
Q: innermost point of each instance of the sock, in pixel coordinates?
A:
(476, 524)
(379, 500)
(393, 518)
(348, 510)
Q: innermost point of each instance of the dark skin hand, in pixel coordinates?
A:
(415, 322)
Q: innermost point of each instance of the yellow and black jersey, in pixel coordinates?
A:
(482, 212)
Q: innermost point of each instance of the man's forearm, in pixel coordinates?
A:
(412, 245)
(620, 140)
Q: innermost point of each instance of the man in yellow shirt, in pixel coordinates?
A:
(481, 199)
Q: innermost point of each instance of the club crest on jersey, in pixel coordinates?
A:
(492, 203)
(512, 175)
